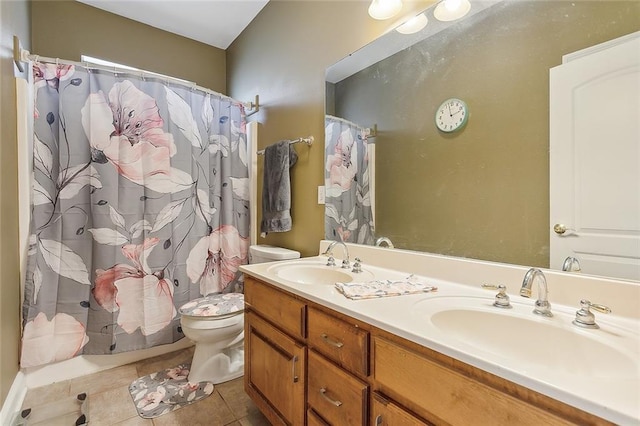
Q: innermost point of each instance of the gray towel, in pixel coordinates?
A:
(276, 187)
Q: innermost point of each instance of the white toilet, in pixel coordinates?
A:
(215, 323)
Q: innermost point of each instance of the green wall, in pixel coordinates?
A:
(69, 29)
(282, 56)
(482, 192)
(14, 20)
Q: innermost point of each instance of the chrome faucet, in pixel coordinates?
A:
(571, 264)
(543, 307)
(384, 240)
(329, 252)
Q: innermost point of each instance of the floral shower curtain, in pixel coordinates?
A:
(139, 204)
(348, 179)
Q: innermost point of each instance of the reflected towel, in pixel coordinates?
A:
(276, 188)
(384, 288)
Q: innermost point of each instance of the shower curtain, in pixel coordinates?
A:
(348, 182)
(140, 203)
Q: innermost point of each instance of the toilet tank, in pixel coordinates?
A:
(265, 253)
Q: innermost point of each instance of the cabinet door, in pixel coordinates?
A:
(275, 370)
(386, 413)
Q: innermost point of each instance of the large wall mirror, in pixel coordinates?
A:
(482, 191)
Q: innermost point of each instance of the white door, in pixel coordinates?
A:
(595, 159)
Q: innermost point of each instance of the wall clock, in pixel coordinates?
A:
(452, 115)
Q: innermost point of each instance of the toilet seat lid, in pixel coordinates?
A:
(214, 305)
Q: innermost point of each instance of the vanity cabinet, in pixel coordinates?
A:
(306, 364)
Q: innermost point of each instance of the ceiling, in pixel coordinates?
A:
(213, 22)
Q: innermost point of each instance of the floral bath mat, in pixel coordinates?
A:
(165, 391)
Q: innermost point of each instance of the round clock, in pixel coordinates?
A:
(452, 115)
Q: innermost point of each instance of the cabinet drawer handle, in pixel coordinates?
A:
(293, 369)
(323, 392)
(330, 341)
(378, 420)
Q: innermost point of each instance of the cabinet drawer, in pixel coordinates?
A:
(344, 343)
(386, 413)
(314, 420)
(285, 311)
(445, 396)
(334, 394)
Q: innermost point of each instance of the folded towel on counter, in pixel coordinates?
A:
(384, 288)
(276, 188)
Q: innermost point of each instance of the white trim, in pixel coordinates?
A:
(89, 364)
(598, 47)
(15, 398)
(252, 148)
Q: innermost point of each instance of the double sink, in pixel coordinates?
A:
(581, 363)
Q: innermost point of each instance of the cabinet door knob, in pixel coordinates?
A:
(378, 419)
(330, 341)
(335, 402)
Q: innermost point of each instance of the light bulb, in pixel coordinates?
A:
(413, 25)
(384, 9)
(450, 10)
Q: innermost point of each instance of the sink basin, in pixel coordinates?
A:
(535, 342)
(317, 273)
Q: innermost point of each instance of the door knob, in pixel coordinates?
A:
(559, 228)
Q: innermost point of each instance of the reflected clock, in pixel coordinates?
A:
(452, 115)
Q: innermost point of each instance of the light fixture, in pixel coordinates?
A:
(413, 25)
(384, 9)
(450, 10)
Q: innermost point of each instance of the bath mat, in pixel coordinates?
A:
(166, 391)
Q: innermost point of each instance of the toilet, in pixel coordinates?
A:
(215, 323)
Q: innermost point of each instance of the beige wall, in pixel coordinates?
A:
(282, 56)
(69, 29)
(482, 192)
(14, 20)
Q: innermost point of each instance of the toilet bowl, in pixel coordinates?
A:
(215, 323)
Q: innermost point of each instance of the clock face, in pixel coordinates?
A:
(451, 115)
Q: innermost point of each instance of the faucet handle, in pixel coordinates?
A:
(502, 298)
(331, 261)
(357, 266)
(584, 316)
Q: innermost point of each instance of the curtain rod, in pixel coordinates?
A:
(370, 132)
(308, 141)
(22, 55)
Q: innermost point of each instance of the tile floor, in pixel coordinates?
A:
(110, 402)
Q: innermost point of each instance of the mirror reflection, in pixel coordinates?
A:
(482, 190)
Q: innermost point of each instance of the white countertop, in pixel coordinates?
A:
(610, 397)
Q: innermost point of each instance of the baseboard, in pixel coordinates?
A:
(15, 398)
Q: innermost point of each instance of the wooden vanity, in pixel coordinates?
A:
(306, 364)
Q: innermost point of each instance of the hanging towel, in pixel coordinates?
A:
(276, 188)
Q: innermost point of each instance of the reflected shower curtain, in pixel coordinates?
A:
(139, 204)
(348, 213)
